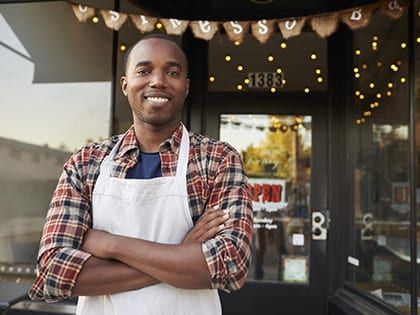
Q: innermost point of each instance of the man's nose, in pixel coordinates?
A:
(158, 80)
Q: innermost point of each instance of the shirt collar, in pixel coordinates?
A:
(129, 142)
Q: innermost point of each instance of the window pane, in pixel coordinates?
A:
(381, 153)
(276, 151)
(417, 104)
(55, 79)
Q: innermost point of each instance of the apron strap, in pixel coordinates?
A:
(184, 152)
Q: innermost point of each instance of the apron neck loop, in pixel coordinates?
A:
(184, 151)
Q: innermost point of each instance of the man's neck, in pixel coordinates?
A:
(150, 137)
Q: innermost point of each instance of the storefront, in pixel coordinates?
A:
(328, 129)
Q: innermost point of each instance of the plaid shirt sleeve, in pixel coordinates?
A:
(68, 218)
(228, 253)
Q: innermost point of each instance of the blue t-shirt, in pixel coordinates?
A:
(147, 167)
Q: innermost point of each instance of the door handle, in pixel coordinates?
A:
(320, 224)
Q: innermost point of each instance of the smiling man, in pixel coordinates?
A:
(152, 221)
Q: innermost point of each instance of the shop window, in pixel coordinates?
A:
(380, 260)
(417, 128)
(298, 64)
(55, 78)
(277, 155)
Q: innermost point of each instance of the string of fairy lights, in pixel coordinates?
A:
(270, 58)
(275, 124)
(372, 95)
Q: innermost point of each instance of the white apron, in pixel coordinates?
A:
(150, 209)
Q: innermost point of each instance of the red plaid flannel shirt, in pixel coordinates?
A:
(215, 178)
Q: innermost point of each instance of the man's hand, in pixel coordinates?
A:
(210, 223)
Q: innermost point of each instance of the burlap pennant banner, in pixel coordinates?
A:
(292, 27)
(82, 12)
(174, 26)
(358, 17)
(393, 8)
(236, 31)
(204, 29)
(143, 23)
(325, 25)
(113, 19)
(262, 30)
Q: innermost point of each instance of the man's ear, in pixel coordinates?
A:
(123, 82)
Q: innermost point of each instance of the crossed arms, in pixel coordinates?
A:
(75, 260)
(120, 263)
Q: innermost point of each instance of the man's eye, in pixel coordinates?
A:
(143, 71)
(173, 73)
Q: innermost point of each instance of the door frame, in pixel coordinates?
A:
(260, 293)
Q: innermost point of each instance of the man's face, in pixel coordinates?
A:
(156, 82)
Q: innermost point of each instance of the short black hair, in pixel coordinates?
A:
(151, 36)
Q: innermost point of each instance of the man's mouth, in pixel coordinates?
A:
(157, 99)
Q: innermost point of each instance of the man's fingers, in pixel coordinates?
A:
(212, 232)
(208, 216)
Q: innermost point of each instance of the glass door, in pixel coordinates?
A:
(284, 154)
(276, 152)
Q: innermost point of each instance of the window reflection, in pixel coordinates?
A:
(276, 150)
(55, 79)
(381, 169)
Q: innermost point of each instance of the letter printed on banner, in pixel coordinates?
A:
(358, 17)
(143, 23)
(174, 26)
(204, 26)
(392, 8)
(235, 30)
(143, 19)
(291, 27)
(262, 30)
(204, 29)
(114, 20)
(83, 12)
(262, 27)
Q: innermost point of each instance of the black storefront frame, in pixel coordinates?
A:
(344, 297)
(348, 299)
